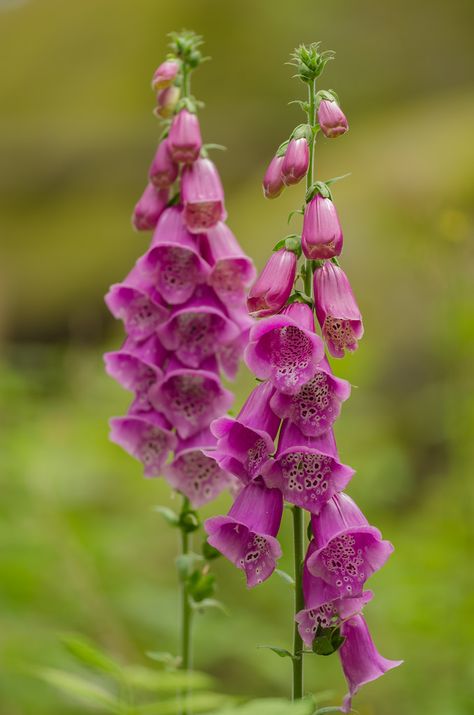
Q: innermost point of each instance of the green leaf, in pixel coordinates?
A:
(292, 213)
(80, 688)
(327, 641)
(271, 706)
(281, 151)
(201, 585)
(282, 652)
(197, 703)
(167, 659)
(285, 576)
(279, 245)
(328, 182)
(208, 603)
(88, 654)
(163, 681)
(168, 514)
(186, 563)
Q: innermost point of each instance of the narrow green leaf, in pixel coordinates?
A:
(285, 576)
(208, 603)
(88, 654)
(167, 659)
(163, 681)
(168, 514)
(281, 652)
(197, 703)
(80, 688)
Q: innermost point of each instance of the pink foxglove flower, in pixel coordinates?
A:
(165, 74)
(184, 138)
(285, 349)
(316, 405)
(147, 437)
(149, 208)
(135, 302)
(349, 550)
(322, 234)
(246, 536)
(360, 660)
(173, 262)
(232, 271)
(202, 196)
(296, 161)
(273, 183)
(249, 438)
(304, 469)
(163, 170)
(166, 102)
(336, 309)
(273, 287)
(230, 354)
(331, 119)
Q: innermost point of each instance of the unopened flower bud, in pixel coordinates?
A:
(184, 139)
(331, 119)
(165, 74)
(202, 196)
(273, 183)
(273, 287)
(295, 162)
(163, 170)
(322, 234)
(167, 100)
(149, 208)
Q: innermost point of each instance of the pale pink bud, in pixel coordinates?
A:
(331, 119)
(296, 161)
(202, 196)
(163, 170)
(184, 139)
(149, 208)
(272, 181)
(167, 100)
(322, 234)
(273, 287)
(165, 74)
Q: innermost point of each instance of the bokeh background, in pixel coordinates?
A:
(81, 549)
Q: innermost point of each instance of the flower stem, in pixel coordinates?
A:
(298, 542)
(186, 614)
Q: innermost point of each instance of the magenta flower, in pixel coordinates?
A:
(165, 74)
(349, 550)
(163, 170)
(304, 471)
(147, 437)
(230, 354)
(360, 660)
(322, 233)
(184, 138)
(285, 349)
(172, 263)
(316, 405)
(248, 438)
(273, 183)
(135, 303)
(336, 309)
(194, 473)
(149, 208)
(195, 330)
(166, 102)
(246, 536)
(273, 287)
(190, 399)
(202, 196)
(331, 119)
(232, 271)
(296, 161)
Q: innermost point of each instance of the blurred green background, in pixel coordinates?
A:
(80, 547)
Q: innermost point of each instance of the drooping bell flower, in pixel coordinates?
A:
(320, 612)
(336, 309)
(195, 474)
(173, 262)
(195, 330)
(137, 366)
(229, 355)
(349, 550)
(147, 437)
(304, 469)
(331, 119)
(316, 405)
(249, 437)
(165, 74)
(166, 102)
(246, 536)
(149, 208)
(184, 138)
(273, 183)
(163, 170)
(136, 303)
(360, 660)
(231, 270)
(285, 349)
(273, 286)
(190, 399)
(202, 196)
(322, 234)
(295, 162)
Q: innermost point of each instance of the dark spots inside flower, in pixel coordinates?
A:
(340, 333)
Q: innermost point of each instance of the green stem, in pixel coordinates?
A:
(186, 615)
(298, 545)
(308, 273)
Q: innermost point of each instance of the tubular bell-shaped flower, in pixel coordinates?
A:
(148, 438)
(331, 119)
(137, 304)
(273, 183)
(322, 233)
(295, 162)
(184, 139)
(336, 309)
(149, 208)
(246, 536)
(273, 287)
(202, 196)
(163, 170)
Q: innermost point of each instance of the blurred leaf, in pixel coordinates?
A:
(197, 703)
(282, 652)
(209, 603)
(185, 563)
(168, 659)
(78, 687)
(285, 576)
(271, 706)
(162, 681)
(201, 585)
(209, 552)
(88, 654)
(168, 514)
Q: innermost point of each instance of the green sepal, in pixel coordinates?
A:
(186, 563)
(281, 652)
(302, 131)
(310, 63)
(304, 105)
(281, 151)
(188, 103)
(319, 187)
(293, 243)
(298, 297)
(209, 552)
(327, 94)
(174, 200)
(201, 585)
(327, 641)
(168, 514)
(189, 521)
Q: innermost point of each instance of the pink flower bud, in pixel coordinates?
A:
(167, 100)
(202, 196)
(322, 233)
(273, 287)
(163, 170)
(272, 181)
(184, 139)
(149, 208)
(331, 119)
(295, 162)
(165, 74)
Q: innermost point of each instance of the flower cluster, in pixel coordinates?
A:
(183, 303)
(281, 445)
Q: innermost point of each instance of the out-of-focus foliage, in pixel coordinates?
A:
(81, 548)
